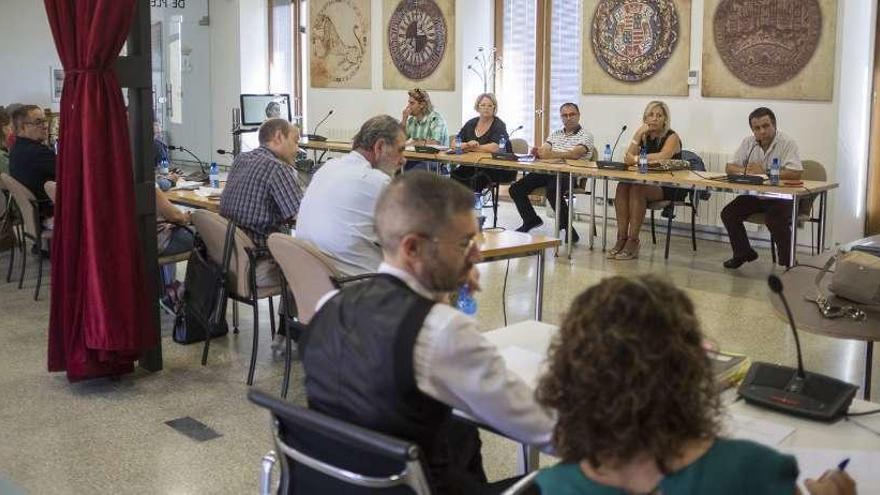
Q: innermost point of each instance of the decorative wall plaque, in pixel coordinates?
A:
(340, 44)
(418, 43)
(633, 39)
(636, 47)
(769, 49)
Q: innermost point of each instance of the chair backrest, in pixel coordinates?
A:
(27, 205)
(212, 229)
(308, 271)
(694, 159)
(814, 170)
(49, 187)
(519, 145)
(316, 450)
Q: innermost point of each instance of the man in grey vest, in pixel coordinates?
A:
(390, 354)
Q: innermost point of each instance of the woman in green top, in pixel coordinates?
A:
(424, 127)
(637, 404)
(5, 131)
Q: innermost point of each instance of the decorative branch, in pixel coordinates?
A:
(487, 66)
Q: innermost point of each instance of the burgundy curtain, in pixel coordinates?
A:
(99, 321)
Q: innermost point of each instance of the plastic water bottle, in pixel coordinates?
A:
(774, 172)
(458, 144)
(502, 144)
(214, 175)
(465, 301)
(643, 161)
(606, 155)
(163, 167)
(478, 210)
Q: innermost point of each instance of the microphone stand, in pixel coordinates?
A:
(202, 166)
(616, 141)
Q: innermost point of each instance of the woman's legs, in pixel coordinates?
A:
(622, 211)
(639, 197)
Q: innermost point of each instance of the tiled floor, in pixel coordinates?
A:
(110, 436)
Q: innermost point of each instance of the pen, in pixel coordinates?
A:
(843, 464)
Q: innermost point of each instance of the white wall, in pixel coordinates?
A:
(351, 107)
(225, 74)
(27, 54)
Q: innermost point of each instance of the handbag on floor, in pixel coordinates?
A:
(203, 308)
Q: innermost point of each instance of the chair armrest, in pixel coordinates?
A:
(266, 465)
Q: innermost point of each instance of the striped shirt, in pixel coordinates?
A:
(782, 147)
(430, 127)
(560, 141)
(262, 194)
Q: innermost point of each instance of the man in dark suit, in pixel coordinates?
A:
(31, 162)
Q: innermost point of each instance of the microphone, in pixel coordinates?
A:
(511, 132)
(318, 137)
(202, 166)
(744, 177)
(224, 152)
(795, 391)
(237, 132)
(614, 148)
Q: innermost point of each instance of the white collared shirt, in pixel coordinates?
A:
(336, 213)
(782, 147)
(456, 365)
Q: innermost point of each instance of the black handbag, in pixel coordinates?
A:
(204, 297)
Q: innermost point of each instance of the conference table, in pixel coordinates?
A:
(494, 245)
(817, 446)
(568, 169)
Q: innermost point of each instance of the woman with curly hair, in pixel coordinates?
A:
(638, 408)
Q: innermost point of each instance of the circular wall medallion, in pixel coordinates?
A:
(632, 39)
(417, 38)
(767, 43)
(339, 39)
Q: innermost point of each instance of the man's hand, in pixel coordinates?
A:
(473, 280)
(407, 111)
(755, 169)
(832, 482)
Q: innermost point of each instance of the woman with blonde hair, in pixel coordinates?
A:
(638, 409)
(484, 133)
(631, 200)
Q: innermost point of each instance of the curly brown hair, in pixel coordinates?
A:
(628, 374)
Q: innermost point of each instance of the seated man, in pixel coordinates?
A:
(571, 142)
(337, 210)
(391, 355)
(31, 162)
(262, 193)
(754, 156)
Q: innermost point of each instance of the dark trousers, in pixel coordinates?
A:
(478, 179)
(467, 462)
(777, 214)
(519, 192)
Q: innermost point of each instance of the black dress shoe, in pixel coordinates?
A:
(530, 224)
(737, 261)
(574, 235)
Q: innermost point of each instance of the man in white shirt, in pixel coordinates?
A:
(754, 156)
(336, 213)
(390, 354)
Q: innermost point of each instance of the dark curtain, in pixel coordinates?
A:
(99, 321)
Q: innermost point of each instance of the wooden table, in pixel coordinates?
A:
(193, 200)
(800, 291)
(507, 244)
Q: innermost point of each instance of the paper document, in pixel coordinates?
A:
(757, 430)
(187, 184)
(862, 466)
(208, 192)
(526, 364)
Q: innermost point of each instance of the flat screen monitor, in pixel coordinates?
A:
(255, 109)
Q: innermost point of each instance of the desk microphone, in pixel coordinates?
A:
(318, 137)
(795, 391)
(224, 152)
(614, 148)
(513, 131)
(236, 132)
(745, 178)
(181, 148)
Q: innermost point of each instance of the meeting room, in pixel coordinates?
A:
(440, 246)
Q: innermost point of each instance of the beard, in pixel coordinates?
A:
(446, 277)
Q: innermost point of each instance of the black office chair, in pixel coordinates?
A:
(691, 200)
(320, 454)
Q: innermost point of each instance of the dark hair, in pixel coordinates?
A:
(628, 374)
(418, 202)
(270, 127)
(273, 109)
(762, 112)
(20, 115)
(379, 127)
(570, 104)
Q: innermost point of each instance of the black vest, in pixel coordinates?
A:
(358, 357)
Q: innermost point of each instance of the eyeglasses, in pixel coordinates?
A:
(569, 115)
(485, 105)
(464, 245)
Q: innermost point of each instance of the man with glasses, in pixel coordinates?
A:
(571, 142)
(390, 354)
(31, 162)
(337, 210)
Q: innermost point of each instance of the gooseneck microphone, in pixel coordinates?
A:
(795, 391)
(614, 148)
(317, 137)
(224, 152)
(201, 164)
(513, 131)
(776, 286)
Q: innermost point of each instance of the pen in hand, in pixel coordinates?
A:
(843, 464)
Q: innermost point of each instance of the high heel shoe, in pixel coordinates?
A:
(621, 242)
(630, 251)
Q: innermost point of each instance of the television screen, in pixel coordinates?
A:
(255, 109)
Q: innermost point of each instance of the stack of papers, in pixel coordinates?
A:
(209, 192)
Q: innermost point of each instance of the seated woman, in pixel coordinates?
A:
(424, 126)
(631, 200)
(484, 133)
(173, 237)
(638, 411)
